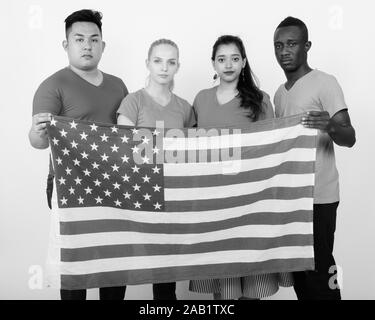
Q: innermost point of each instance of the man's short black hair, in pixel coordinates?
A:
(84, 15)
(295, 22)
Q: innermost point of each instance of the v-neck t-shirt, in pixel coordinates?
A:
(316, 91)
(210, 113)
(144, 111)
(65, 93)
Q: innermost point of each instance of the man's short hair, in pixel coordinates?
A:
(295, 22)
(84, 15)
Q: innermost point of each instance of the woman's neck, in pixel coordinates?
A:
(158, 90)
(228, 87)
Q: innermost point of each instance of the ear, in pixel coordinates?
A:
(178, 66)
(65, 45)
(146, 62)
(244, 63)
(213, 64)
(103, 44)
(308, 45)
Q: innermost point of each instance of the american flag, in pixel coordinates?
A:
(148, 205)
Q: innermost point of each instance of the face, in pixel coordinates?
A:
(84, 46)
(228, 62)
(163, 64)
(290, 48)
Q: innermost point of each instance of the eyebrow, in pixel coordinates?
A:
(232, 55)
(156, 57)
(82, 35)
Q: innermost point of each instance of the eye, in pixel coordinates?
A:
(95, 40)
(172, 63)
(277, 46)
(79, 40)
(221, 60)
(156, 60)
(236, 59)
(292, 44)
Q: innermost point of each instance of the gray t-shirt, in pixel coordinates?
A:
(316, 91)
(144, 111)
(212, 114)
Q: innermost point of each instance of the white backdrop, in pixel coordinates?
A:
(31, 34)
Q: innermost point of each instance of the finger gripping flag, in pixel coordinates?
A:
(148, 205)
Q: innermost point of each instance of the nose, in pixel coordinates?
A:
(164, 66)
(87, 45)
(228, 64)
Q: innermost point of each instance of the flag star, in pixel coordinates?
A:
(156, 169)
(93, 127)
(105, 175)
(65, 151)
(135, 169)
(74, 144)
(76, 162)
(104, 137)
(146, 178)
(80, 200)
(136, 187)
(135, 131)
(107, 193)
(125, 158)
(53, 122)
(114, 129)
(124, 139)
(125, 178)
(71, 190)
(114, 148)
(135, 149)
(87, 172)
(155, 132)
(84, 155)
(115, 168)
(55, 141)
(68, 171)
(127, 195)
(157, 206)
(116, 186)
(98, 200)
(147, 196)
(137, 204)
(94, 147)
(64, 201)
(59, 161)
(145, 140)
(155, 150)
(62, 180)
(97, 183)
(156, 188)
(145, 159)
(95, 165)
(88, 190)
(78, 180)
(117, 203)
(63, 133)
(104, 157)
(73, 125)
(83, 136)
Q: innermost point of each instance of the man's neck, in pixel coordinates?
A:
(293, 76)
(93, 76)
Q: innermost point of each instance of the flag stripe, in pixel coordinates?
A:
(239, 189)
(115, 238)
(97, 226)
(217, 141)
(116, 251)
(238, 165)
(162, 261)
(133, 277)
(293, 167)
(223, 154)
(100, 213)
(280, 193)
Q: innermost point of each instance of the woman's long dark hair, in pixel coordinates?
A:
(250, 95)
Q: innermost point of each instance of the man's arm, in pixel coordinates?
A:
(38, 131)
(338, 127)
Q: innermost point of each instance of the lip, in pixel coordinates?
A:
(286, 61)
(87, 56)
(163, 75)
(228, 72)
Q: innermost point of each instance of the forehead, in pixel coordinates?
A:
(288, 33)
(164, 51)
(227, 50)
(85, 28)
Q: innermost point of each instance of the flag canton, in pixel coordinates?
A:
(106, 166)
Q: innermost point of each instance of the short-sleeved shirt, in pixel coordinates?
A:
(67, 94)
(210, 113)
(144, 111)
(316, 91)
